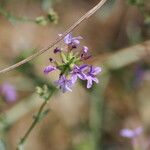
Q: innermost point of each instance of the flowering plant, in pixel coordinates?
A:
(72, 65)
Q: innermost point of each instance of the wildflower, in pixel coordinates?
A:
(91, 75)
(78, 72)
(72, 41)
(64, 84)
(85, 53)
(72, 65)
(8, 91)
(131, 133)
(49, 69)
(85, 49)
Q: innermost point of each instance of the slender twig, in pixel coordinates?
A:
(78, 22)
(41, 113)
(36, 120)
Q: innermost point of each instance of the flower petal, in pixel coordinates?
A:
(127, 133)
(89, 83)
(77, 38)
(95, 80)
(48, 69)
(85, 49)
(74, 78)
(68, 38)
(97, 70)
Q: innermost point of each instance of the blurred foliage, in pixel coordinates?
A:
(141, 5)
(51, 17)
(2, 145)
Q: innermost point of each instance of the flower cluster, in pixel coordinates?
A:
(72, 65)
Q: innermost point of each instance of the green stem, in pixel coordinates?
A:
(32, 126)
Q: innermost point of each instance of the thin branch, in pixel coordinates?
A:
(39, 116)
(36, 120)
(83, 18)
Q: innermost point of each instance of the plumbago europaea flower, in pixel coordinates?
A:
(133, 135)
(72, 66)
(128, 133)
(8, 91)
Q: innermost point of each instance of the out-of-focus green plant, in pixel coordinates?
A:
(136, 2)
(2, 145)
(51, 17)
(141, 5)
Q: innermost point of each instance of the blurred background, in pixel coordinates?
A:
(83, 119)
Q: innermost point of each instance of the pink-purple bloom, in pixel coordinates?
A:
(49, 69)
(72, 41)
(78, 72)
(64, 84)
(91, 75)
(8, 91)
(131, 133)
(85, 49)
(72, 65)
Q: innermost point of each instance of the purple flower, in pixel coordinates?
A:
(91, 75)
(57, 50)
(68, 66)
(78, 72)
(72, 41)
(64, 84)
(48, 69)
(9, 92)
(131, 133)
(85, 49)
(85, 54)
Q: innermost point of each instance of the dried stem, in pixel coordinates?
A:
(78, 22)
